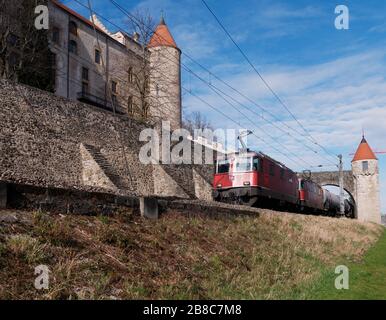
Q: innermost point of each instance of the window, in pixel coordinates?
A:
(243, 164)
(55, 35)
(130, 105)
(272, 170)
(85, 74)
(114, 87)
(73, 47)
(130, 75)
(97, 56)
(256, 164)
(85, 80)
(73, 28)
(223, 166)
(84, 87)
(365, 166)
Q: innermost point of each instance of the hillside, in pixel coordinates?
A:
(273, 255)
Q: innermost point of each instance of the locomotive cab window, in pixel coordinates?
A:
(243, 164)
(256, 164)
(223, 166)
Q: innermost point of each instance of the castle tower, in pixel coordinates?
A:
(165, 77)
(366, 183)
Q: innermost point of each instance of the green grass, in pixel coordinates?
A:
(270, 256)
(367, 279)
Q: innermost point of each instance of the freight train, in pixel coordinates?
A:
(255, 179)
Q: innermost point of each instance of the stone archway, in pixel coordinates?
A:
(331, 178)
(349, 194)
(325, 178)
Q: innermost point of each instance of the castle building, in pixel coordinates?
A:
(366, 183)
(115, 71)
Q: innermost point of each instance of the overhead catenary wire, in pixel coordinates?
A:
(263, 80)
(217, 110)
(312, 139)
(217, 90)
(192, 73)
(262, 109)
(220, 94)
(210, 85)
(238, 124)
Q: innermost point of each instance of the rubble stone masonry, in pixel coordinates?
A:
(49, 142)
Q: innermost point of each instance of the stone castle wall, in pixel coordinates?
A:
(42, 135)
(117, 60)
(50, 142)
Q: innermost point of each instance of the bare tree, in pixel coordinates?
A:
(24, 51)
(196, 120)
(141, 27)
(146, 74)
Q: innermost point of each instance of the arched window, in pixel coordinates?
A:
(130, 75)
(73, 28)
(130, 105)
(73, 47)
(97, 56)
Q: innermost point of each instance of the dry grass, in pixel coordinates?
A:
(125, 257)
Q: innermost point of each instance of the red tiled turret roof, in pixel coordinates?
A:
(364, 152)
(162, 37)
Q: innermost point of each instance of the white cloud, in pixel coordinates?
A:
(332, 100)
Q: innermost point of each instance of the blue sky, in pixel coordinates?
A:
(332, 80)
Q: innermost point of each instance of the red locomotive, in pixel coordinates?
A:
(252, 178)
(247, 177)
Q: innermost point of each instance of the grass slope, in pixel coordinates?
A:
(273, 256)
(367, 279)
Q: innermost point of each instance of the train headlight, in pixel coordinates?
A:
(219, 185)
(247, 183)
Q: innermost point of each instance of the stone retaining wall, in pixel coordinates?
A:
(50, 142)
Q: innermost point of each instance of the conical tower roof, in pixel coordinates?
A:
(162, 37)
(364, 152)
